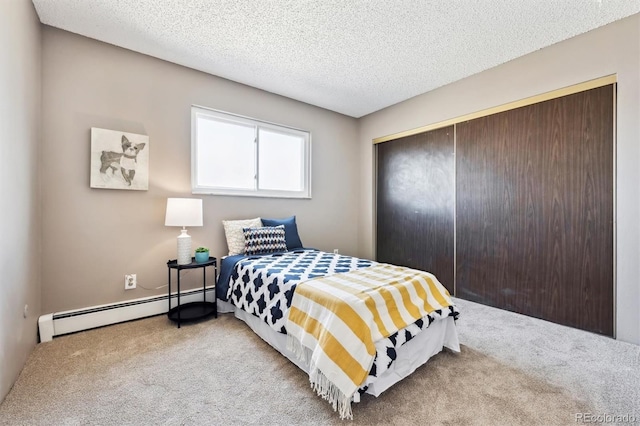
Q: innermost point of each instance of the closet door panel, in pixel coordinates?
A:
(415, 203)
(535, 210)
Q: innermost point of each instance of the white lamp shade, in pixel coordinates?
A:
(183, 212)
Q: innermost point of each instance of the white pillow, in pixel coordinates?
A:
(233, 229)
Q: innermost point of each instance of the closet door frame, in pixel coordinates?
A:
(584, 86)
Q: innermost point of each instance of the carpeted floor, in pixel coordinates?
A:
(512, 370)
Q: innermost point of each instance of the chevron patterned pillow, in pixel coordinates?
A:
(268, 239)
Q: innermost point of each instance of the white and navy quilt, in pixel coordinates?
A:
(263, 286)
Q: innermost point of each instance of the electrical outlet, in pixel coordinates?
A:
(130, 281)
(335, 251)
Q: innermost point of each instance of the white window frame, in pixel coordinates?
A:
(196, 188)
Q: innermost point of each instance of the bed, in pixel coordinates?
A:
(260, 289)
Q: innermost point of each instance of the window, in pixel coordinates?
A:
(233, 155)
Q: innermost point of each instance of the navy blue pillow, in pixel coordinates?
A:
(290, 231)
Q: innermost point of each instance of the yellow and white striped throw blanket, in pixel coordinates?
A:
(334, 322)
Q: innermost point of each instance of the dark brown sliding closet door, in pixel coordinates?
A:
(535, 210)
(415, 203)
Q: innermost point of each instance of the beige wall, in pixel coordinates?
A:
(613, 49)
(20, 52)
(92, 237)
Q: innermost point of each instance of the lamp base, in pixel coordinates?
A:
(184, 248)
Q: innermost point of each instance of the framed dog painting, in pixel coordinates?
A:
(119, 160)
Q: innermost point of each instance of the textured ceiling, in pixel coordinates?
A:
(350, 56)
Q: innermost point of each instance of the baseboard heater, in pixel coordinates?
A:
(60, 323)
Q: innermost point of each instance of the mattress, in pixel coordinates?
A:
(259, 290)
(441, 334)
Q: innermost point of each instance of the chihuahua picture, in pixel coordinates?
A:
(119, 160)
(124, 161)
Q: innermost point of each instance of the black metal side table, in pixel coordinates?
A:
(193, 310)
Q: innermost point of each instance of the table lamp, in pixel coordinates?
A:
(183, 212)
